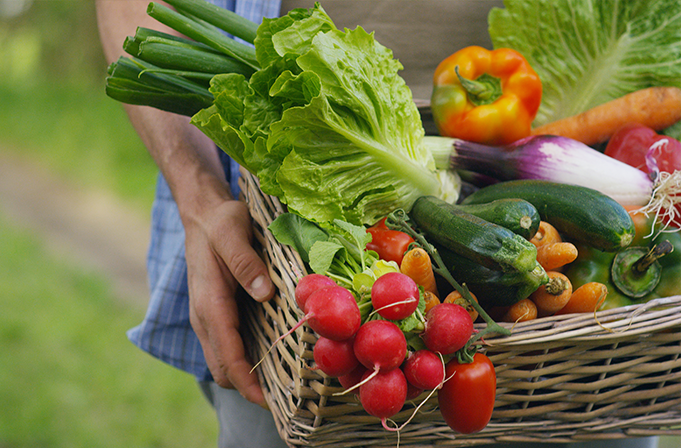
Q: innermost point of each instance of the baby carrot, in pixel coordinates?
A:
(655, 107)
(430, 299)
(586, 299)
(521, 311)
(552, 296)
(556, 255)
(546, 234)
(417, 265)
(457, 298)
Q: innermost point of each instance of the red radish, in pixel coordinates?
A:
(413, 392)
(333, 313)
(380, 345)
(394, 295)
(448, 328)
(335, 358)
(353, 378)
(310, 284)
(384, 394)
(424, 369)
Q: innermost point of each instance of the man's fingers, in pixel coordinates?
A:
(241, 259)
(214, 315)
(215, 321)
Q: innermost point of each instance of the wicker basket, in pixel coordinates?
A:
(559, 379)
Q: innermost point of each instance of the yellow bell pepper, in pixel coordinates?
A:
(485, 96)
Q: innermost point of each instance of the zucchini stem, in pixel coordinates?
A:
(398, 220)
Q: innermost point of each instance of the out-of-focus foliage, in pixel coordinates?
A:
(56, 40)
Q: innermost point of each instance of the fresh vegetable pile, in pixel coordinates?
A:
(401, 263)
(384, 333)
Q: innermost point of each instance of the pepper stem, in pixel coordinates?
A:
(485, 89)
(655, 253)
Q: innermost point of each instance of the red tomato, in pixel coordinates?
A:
(390, 245)
(466, 399)
(631, 143)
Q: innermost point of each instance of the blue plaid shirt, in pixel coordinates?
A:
(165, 331)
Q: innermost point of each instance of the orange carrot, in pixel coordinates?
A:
(417, 265)
(430, 299)
(546, 234)
(585, 299)
(521, 311)
(457, 298)
(556, 255)
(552, 296)
(655, 107)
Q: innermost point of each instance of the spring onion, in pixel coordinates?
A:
(172, 73)
(564, 160)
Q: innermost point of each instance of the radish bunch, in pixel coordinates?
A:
(373, 358)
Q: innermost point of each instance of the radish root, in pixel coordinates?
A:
(280, 338)
(373, 374)
(665, 197)
(425, 400)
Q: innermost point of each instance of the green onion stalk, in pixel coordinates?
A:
(173, 73)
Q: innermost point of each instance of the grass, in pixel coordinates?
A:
(53, 108)
(79, 133)
(68, 375)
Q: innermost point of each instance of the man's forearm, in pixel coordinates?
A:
(187, 158)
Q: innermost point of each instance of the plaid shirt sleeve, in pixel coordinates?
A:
(165, 331)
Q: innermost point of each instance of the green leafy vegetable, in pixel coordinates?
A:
(297, 232)
(337, 250)
(327, 124)
(589, 52)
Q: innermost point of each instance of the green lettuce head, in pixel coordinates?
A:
(589, 52)
(327, 124)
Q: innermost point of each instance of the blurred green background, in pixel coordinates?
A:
(68, 375)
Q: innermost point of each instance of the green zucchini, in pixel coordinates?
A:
(517, 215)
(580, 213)
(491, 287)
(486, 243)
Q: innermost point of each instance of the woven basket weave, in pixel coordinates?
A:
(559, 379)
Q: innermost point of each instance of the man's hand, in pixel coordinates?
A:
(217, 228)
(219, 258)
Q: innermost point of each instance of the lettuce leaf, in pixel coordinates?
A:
(327, 124)
(589, 52)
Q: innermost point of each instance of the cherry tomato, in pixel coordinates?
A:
(390, 245)
(466, 399)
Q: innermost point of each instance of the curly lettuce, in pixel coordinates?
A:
(588, 52)
(327, 124)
